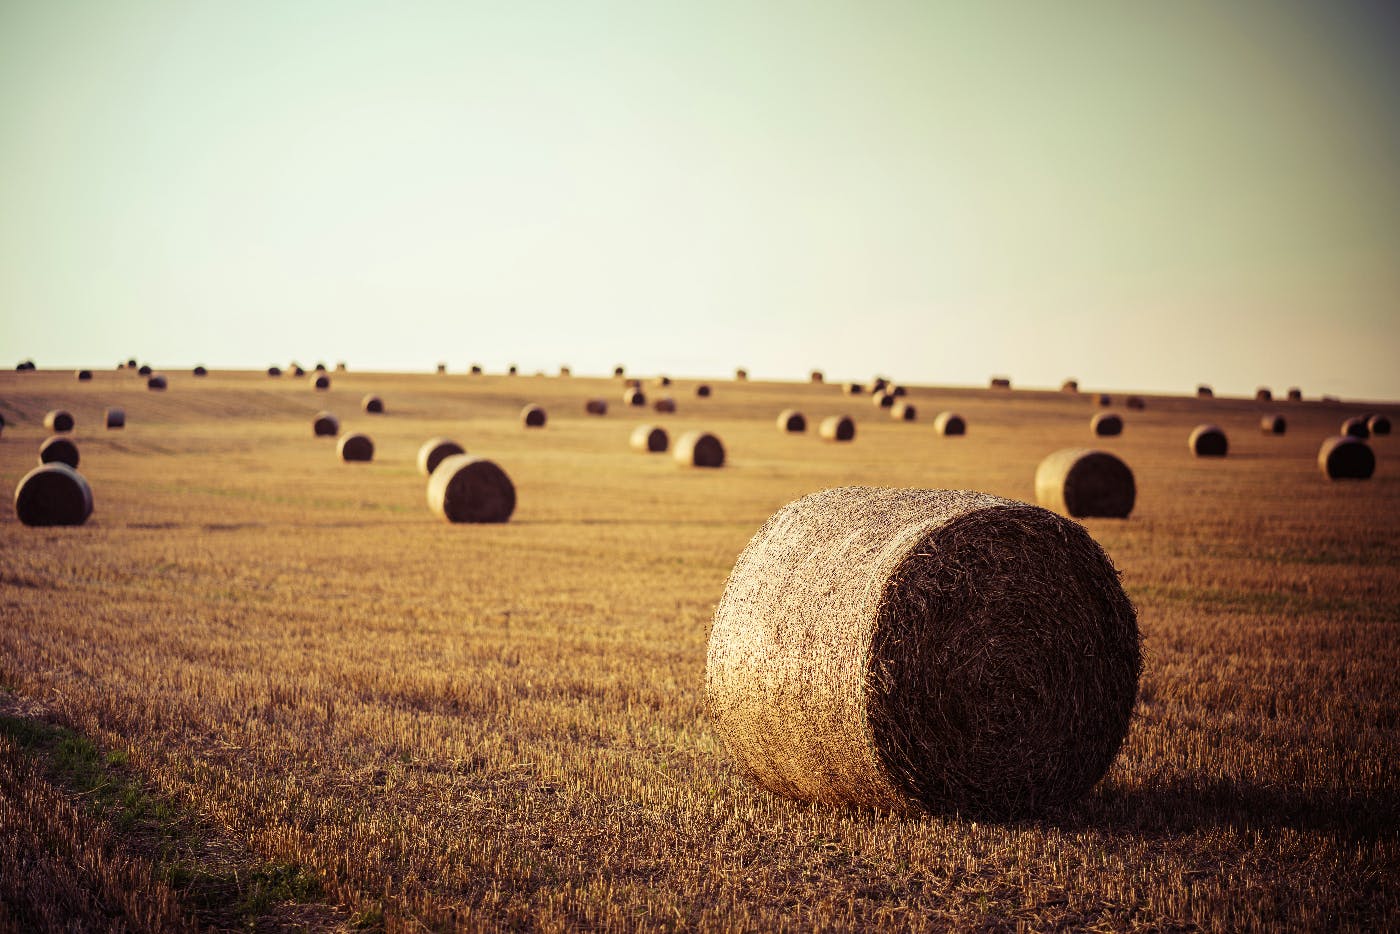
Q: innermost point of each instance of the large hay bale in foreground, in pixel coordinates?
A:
(1106, 424)
(837, 428)
(434, 451)
(665, 405)
(58, 420)
(1343, 457)
(115, 418)
(83, 376)
(53, 494)
(1378, 424)
(702, 391)
(59, 449)
(1274, 424)
(532, 416)
(470, 489)
(372, 404)
(325, 425)
(1083, 483)
(355, 447)
(923, 650)
(699, 449)
(949, 423)
(791, 420)
(634, 397)
(322, 382)
(596, 407)
(903, 411)
(649, 439)
(1208, 441)
(1356, 427)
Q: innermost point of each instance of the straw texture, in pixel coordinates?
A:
(1083, 483)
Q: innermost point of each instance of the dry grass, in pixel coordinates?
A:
(502, 725)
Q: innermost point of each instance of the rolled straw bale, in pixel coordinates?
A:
(340, 366)
(897, 391)
(200, 371)
(442, 369)
(903, 411)
(322, 382)
(565, 371)
(662, 381)
(632, 383)
(1208, 441)
(53, 494)
(634, 397)
(741, 374)
(532, 416)
(837, 428)
(60, 449)
(791, 420)
(1001, 382)
(1136, 402)
(949, 423)
(59, 420)
(596, 407)
(1105, 399)
(1378, 424)
(355, 447)
(1329, 398)
(882, 399)
(818, 376)
(1204, 392)
(880, 384)
(1070, 385)
(274, 371)
(115, 418)
(298, 371)
(434, 451)
(1263, 394)
(1106, 424)
(83, 376)
(923, 650)
(1356, 427)
(476, 369)
(619, 371)
(1343, 457)
(665, 405)
(145, 370)
(325, 425)
(702, 391)
(1295, 394)
(24, 366)
(512, 370)
(131, 364)
(373, 404)
(853, 389)
(699, 449)
(1083, 483)
(1274, 424)
(156, 383)
(649, 439)
(320, 366)
(471, 489)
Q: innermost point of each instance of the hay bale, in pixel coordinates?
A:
(59, 449)
(476, 369)
(1208, 441)
(470, 489)
(513, 370)
(741, 374)
(200, 371)
(298, 371)
(882, 399)
(1084, 484)
(619, 371)
(59, 420)
(145, 370)
(649, 439)
(156, 383)
(702, 391)
(1295, 394)
(355, 447)
(565, 371)
(340, 366)
(532, 416)
(596, 407)
(434, 451)
(923, 650)
(1136, 402)
(898, 392)
(1273, 424)
(1330, 399)
(852, 389)
(1204, 392)
(880, 384)
(903, 411)
(949, 423)
(662, 381)
(274, 371)
(325, 425)
(1105, 399)
(818, 376)
(83, 376)
(24, 366)
(442, 369)
(1001, 382)
(53, 494)
(322, 383)
(1106, 424)
(320, 366)
(791, 420)
(1263, 394)
(1378, 424)
(1070, 386)
(1343, 457)
(131, 364)
(1356, 427)
(837, 428)
(115, 418)
(372, 404)
(634, 397)
(665, 405)
(699, 449)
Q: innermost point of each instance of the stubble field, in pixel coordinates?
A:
(264, 688)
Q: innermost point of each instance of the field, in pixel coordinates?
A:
(262, 688)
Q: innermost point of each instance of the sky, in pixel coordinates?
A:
(1138, 195)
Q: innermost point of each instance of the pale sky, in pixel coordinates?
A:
(1139, 195)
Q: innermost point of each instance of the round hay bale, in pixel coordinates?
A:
(470, 489)
(476, 369)
(897, 391)
(274, 371)
(340, 366)
(320, 366)
(1378, 424)
(882, 399)
(156, 383)
(565, 371)
(512, 370)
(791, 420)
(634, 397)
(1105, 399)
(1136, 402)
(923, 650)
(949, 423)
(818, 376)
(1208, 441)
(619, 371)
(373, 404)
(298, 371)
(903, 411)
(1263, 394)
(596, 407)
(532, 416)
(880, 384)
(53, 494)
(1106, 424)
(1356, 427)
(631, 383)
(200, 371)
(1295, 394)
(24, 366)
(1273, 424)
(1343, 457)
(1083, 483)
(699, 449)
(741, 374)
(434, 451)
(325, 425)
(702, 391)
(852, 389)
(1204, 392)
(837, 428)
(442, 369)
(83, 376)
(1001, 382)
(1329, 399)
(1070, 386)
(145, 370)
(131, 364)
(649, 439)
(59, 449)
(59, 420)
(115, 418)
(355, 447)
(322, 383)
(662, 381)
(665, 405)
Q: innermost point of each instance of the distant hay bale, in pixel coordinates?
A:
(1106, 424)
(596, 407)
(818, 376)
(532, 416)
(903, 411)
(24, 366)
(513, 370)
(1356, 427)
(274, 371)
(897, 391)
(476, 369)
(59, 449)
(1378, 424)
(156, 383)
(320, 366)
(59, 420)
(373, 404)
(791, 420)
(565, 371)
(355, 447)
(1273, 424)
(837, 428)
(325, 425)
(699, 449)
(83, 376)
(741, 374)
(1295, 394)
(632, 383)
(53, 494)
(470, 489)
(1105, 399)
(434, 451)
(1070, 386)
(702, 391)
(662, 381)
(619, 371)
(923, 651)
(322, 382)
(442, 369)
(1136, 402)
(298, 371)
(1083, 484)
(852, 389)
(949, 423)
(115, 418)
(200, 371)
(1329, 399)
(1343, 457)
(634, 397)
(880, 384)
(665, 405)
(1001, 382)
(131, 364)
(1263, 394)
(145, 370)
(882, 399)
(1208, 441)
(1204, 392)
(649, 439)
(340, 366)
